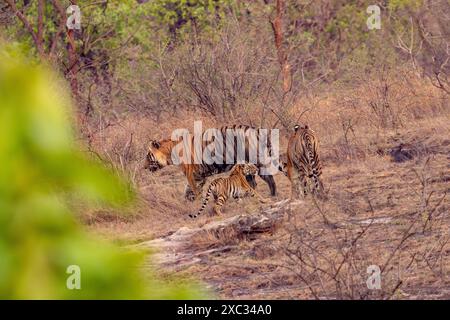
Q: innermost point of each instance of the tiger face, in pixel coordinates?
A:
(246, 169)
(250, 169)
(158, 155)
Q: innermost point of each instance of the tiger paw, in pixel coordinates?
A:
(189, 195)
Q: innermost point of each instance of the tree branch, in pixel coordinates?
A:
(24, 20)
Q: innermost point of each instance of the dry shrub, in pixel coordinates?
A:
(352, 122)
(226, 76)
(330, 253)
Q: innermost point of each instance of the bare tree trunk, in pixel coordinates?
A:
(47, 51)
(72, 69)
(277, 27)
(39, 42)
(40, 28)
(73, 63)
(278, 32)
(36, 36)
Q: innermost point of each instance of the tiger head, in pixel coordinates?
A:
(158, 155)
(246, 169)
(298, 126)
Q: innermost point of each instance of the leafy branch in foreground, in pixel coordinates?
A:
(41, 168)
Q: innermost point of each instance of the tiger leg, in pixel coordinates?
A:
(318, 188)
(303, 182)
(251, 181)
(205, 202)
(254, 193)
(271, 182)
(191, 188)
(199, 182)
(194, 187)
(293, 176)
(221, 199)
(189, 193)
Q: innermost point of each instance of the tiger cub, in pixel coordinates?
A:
(235, 185)
(303, 162)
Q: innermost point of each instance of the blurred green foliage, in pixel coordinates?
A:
(112, 23)
(41, 168)
(322, 33)
(187, 14)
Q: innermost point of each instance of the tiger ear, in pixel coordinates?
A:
(155, 144)
(296, 127)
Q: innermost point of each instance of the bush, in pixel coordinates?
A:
(41, 168)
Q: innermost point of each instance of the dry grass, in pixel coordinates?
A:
(309, 256)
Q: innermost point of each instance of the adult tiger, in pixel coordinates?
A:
(238, 144)
(233, 186)
(303, 161)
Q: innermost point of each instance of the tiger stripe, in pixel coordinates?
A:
(303, 161)
(235, 186)
(159, 156)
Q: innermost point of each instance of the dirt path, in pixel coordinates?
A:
(176, 250)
